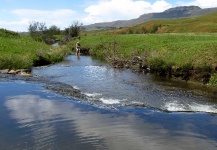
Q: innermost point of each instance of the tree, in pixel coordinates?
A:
(74, 29)
(54, 30)
(37, 30)
(40, 32)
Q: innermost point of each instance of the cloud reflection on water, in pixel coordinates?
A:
(45, 119)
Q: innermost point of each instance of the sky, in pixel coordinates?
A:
(16, 15)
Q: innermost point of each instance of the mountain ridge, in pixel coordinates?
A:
(172, 13)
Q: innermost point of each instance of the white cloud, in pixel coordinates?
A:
(201, 3)
(102, 11)
(111, 10)
(20, 25)
(61, 17)
(21, 22)
(57, 17)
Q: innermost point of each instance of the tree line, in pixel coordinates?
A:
(40, 32)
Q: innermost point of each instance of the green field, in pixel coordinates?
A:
(179, 49)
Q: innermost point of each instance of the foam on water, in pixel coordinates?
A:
(75, 87)
(174, 106)
(203, 108)
(92, 94)
(106, 86)
(109, 101)
(194, 107)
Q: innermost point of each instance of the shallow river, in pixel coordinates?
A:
(109, 86)
(115, 109)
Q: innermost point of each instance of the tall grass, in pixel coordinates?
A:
(196, 49)
(21, 51)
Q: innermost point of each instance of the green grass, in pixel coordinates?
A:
(162, 52)
(21, 51)
(213, 80)
(177, 48)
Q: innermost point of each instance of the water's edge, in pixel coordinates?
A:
(166, 89)
(82, 104)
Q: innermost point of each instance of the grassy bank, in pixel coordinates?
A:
(20, 51)
(165, 54)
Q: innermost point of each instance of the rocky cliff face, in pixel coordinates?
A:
(172, 13)
(177, 12)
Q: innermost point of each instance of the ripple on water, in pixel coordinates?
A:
(34, 119)
(109, 86)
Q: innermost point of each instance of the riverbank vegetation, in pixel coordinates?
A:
(34, 48)
(188, 56)
(40, 32)
(176, 49)
(21, 51)
(185, 48)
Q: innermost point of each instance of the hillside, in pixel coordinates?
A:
(172, 13)
(202, 24)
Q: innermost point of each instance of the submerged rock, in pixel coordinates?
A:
(5, 71)
(22, 72)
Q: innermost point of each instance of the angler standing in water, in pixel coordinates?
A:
(78, 45)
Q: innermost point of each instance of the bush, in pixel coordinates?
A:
(74, 29)
(154, 28)
(207, 70)
(186, 67)
(161, 67)
(8, 34)
(213, 80)
(46, 57)
(37, 30)
(14, 61)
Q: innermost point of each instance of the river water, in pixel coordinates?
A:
(109, 86)
(112, 109)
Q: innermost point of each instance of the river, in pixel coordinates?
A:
(82, 103)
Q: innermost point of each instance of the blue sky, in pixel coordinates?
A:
(17, 14)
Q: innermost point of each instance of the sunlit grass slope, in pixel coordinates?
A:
(20, 51)
(202, 24)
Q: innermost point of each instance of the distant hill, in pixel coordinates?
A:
(202, 24)
(172, 13)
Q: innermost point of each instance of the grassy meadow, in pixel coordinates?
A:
(179, 49)
(21, 51)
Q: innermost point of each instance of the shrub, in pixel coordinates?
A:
(37, 30)
(7, 33)
(213, 80)
(186, 67)
(207, 70)
(74, 29)
(14, 61)
(160, 66)
(155, 28)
